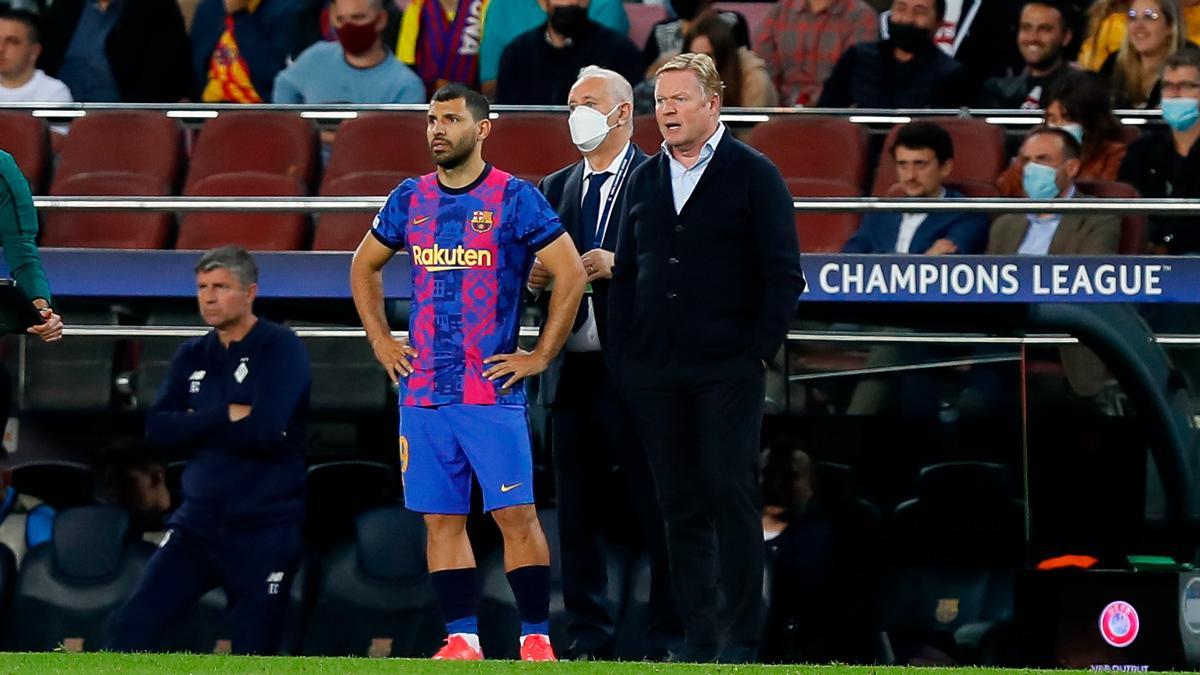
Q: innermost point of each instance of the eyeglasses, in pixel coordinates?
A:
(1147, 14)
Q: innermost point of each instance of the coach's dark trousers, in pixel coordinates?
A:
(604, 488)
(255, 568)
(700, 425)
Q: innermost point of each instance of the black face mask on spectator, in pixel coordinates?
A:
(688, 9)
(569, 20)
(908, 37)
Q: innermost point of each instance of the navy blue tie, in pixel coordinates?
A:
(589, 216)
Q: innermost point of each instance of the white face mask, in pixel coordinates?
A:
(589, 127)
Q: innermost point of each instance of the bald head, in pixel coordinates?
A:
(619, 89)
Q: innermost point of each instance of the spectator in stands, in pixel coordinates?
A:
(924, 157)
(1155, 32)
(540, 66)
(132, 51)
(666, 37)
(747, 83)
(507, 19)
(355, 69)
(802, 40)
(1043, 33)
(239, 46)
(786, 478)
(1049, 166)
(130, 474)
(904, 71)
(440, 38)
(1166, 163)
(590, 425)
(236, 398)
(315, 23)
(25, 520)
(20, 45)
(697, 401)
(1106, 27)
(1079, 105)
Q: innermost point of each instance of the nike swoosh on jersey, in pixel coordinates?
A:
(418, 221)
(510, 488)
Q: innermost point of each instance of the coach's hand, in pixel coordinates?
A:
(942, 247)
(598, 264)
(539, 276)
(393, 355)
(239, 411)
(51, 328)
(519, 365)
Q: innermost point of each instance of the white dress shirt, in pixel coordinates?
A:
(587, 338)
(909, 223)
(684, 179)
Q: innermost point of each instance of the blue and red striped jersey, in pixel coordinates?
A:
(471, 251)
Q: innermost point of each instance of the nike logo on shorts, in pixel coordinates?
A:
(509, 488)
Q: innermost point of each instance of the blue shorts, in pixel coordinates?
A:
(441, 447)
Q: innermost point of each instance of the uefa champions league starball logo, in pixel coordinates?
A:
(1119, 624)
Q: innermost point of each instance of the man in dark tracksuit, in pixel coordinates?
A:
(237, 397)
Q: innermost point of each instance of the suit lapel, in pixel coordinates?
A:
(1065, 234)
(570, 207)
(610, 235)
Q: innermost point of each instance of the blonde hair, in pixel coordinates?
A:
(703, 67)
(1127, 76)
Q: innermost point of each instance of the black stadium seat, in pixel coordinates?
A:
(373, 597)
(69, 588)
(60, 484)
(337, 492)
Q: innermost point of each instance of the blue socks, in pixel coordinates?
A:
(458, 594)
(531, 587)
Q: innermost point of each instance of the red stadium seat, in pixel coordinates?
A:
(255, 231)
(642, 18)
(1133, 227)
(530, 145)
(646, 134)
(823, 232)
(283, 144)
(978, 153)
(108, 229)
(383, 142)
(343, 230)
(24, 137)
(814, 147)
(132, 141)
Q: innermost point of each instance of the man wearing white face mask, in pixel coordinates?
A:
(1049, 160)
(1166, 163)
(603, 479)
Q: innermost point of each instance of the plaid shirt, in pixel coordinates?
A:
(801, 46)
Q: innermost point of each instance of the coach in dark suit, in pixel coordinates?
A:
(707, 278)
(604, 486)
(923, 153)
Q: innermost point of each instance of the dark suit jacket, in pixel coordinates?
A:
(879, 231)
(564, 190)
(719, 280)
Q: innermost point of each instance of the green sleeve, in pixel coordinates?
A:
(18, 231)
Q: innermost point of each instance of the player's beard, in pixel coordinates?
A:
(458, 154)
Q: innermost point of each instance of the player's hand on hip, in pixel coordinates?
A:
(539, 276)
(516, 366)
(598, 264)
(51, 328)
(394, 356)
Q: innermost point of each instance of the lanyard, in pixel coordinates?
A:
(606, 212)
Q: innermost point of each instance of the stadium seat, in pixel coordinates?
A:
(392, 143)
(646, 134)
(346, 378)
(956, 550)
(255, 231)
(337, 492)
(823, 232)
(76, 375)
(283, 144)
(24, 137)
(978, 153)
(342, 231)
(642, 18)
(108, 229)
(814, 147)
(62, 485)
(499, 622)
(1133, 226)
(68, 588)
(755, 14)
(373, 597)
(133, 141)
(530, 145)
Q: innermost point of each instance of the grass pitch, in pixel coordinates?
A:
(196, 663)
